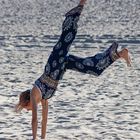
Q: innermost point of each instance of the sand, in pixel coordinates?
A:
(84, 107)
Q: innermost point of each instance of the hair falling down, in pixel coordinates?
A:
(24, 99)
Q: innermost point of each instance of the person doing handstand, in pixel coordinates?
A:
(58, 62)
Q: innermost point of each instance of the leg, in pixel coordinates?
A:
(69, 31)
(96, 64)
(55, 66)
(60, 50)
(82, 2)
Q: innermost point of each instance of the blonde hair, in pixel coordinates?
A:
(24, 100)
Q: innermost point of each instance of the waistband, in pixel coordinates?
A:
(49, 81)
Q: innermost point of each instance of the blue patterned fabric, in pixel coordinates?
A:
(55, 66)
(94, 65)
(59, 60)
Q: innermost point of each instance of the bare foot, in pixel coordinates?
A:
(125, 55)
(82, 2)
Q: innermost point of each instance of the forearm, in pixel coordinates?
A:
(34, 114)
(44, 118)
(43, 130)
(34, 128)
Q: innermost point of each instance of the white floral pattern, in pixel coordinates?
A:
(47, 68)
(55, 74)
(68, 37)
(88, 62)
(58, 45)
(54, 64)
(67, 23)
(61, 60)
(61, 52)
(79, 65)
(75, 26)
(103, 63)
(68, 47)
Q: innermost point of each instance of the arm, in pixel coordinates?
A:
(44, 118)
(34, 114)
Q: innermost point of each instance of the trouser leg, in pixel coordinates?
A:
(94, 65)
(69, 30)
(57, 58)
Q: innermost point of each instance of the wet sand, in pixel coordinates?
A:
(84, 107)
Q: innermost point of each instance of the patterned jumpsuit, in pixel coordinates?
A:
(59, 60)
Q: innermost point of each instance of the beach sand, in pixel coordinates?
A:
(84, 107)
